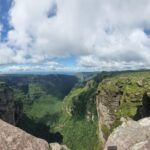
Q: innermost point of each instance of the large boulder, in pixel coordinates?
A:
(131, 135)
(13, 138)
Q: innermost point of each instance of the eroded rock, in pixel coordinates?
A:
(131, 135)
(13, 138)
(122, 96)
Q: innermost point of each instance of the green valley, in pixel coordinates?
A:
(79, 111)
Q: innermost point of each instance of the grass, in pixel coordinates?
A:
(46, 104)
(126, 88)
(78, 132)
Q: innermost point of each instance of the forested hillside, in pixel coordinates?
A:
(80, 113)
(41, 97)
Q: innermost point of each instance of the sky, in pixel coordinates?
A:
(74, 35)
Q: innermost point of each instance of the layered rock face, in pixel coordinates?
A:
(7, 108)
(131, 135)
(124, 95)
(13, 138)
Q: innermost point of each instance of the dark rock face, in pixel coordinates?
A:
(144, 109)
(7, 109)
(10, 110)
(146, 104)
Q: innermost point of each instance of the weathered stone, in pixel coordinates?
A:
(140, 83)
(131, 135)
(56, 146)
(13, 138)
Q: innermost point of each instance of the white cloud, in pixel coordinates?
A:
(102, 34)
(94, 64)
(48, 67)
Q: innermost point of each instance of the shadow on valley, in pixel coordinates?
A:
(39, 129)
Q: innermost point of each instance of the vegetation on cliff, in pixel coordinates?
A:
(71, 111)
(78, 121)
(122, 96)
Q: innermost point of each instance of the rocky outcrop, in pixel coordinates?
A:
(13, 138)
(7, 109)
(56, 146)
(131, 135)
(121, 96)
(107, 103)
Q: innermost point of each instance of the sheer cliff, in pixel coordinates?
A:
(122, 96)
(7, 111)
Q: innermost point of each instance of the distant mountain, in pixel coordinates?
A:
(84, 76)
(57, 85)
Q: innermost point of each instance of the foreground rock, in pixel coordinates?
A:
(13, 138)
(131, 135)
(56, 146)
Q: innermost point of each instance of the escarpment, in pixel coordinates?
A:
(7, 109)
(10, 110)
(125, 96)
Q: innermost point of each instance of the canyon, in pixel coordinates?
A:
(94, 110)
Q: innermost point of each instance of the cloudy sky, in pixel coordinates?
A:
(74, 35)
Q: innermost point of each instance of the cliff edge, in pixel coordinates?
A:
(13, 138)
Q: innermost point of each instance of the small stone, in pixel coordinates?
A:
(140, 83)
(56, 146)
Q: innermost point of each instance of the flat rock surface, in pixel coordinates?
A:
(131, 135)
(13, 138)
